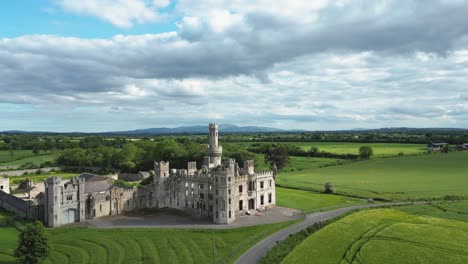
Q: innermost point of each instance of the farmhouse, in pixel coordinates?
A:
(463, 146)
(436, 146)
(219, 190)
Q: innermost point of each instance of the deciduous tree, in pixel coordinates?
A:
(33, 244)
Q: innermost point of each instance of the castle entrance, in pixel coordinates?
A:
(251, 204)
(68, 216)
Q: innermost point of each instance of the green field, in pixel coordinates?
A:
(300, 163)
(309, 201)
(386, 236)
(397, 178)
(380, 149)
(5, 155)
(142, 245)
(39, 159)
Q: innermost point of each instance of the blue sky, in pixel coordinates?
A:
(26, 17)
(102, 65)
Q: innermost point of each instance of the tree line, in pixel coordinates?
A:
(140, 155)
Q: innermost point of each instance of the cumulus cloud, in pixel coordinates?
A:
(120, 13)
(310, 64)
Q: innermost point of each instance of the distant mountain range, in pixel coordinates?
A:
(198, 129)
(229, 128)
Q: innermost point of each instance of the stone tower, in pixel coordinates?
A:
(52, 201)
(213, 151)
(161, 170)
(64, 204)
(224, 181)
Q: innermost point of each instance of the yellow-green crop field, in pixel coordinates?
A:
(386, 236)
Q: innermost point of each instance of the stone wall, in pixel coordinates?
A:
(13, 204)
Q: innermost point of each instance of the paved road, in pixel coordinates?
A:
(255, 253)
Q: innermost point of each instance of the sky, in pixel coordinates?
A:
(111, 65)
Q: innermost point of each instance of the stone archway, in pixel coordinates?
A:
(251, 204)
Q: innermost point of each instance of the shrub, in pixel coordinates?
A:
(329, 188)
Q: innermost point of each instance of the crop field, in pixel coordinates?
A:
(39, 159)
(142, 245)
(386, 236)
(397, 178)
(380, 149)
(309, 201)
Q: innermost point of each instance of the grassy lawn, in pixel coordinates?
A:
(397, 178)
(39, 159)
(386, 236)
(41, 177)
(308, 201)
(142, 245)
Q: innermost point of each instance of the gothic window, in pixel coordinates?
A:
(269, 198)
(270, 183)
(229, 179)
(229, 213)
(261, 200)
(229, 191)
(261, 185)
(229, 200)
(100, 208)
(202, 196)
(240, 188)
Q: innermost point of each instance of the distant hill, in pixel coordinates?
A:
(197, 129)
(229, 128)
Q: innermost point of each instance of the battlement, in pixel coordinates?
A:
(213, 126)
(161, 165)
(53, 180)
(263, 173)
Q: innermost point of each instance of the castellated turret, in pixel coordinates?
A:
(213, 151)
(161, 169)
(249, 168)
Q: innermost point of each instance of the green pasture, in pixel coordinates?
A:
(380, 149)
(309, 201)
(300, 163)
(386, 236)
(5, 155)
(38, 159)
(142, 245)
(397, 178)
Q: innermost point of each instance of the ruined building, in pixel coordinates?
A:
(219, 190)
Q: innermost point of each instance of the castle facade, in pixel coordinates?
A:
(219, 190)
